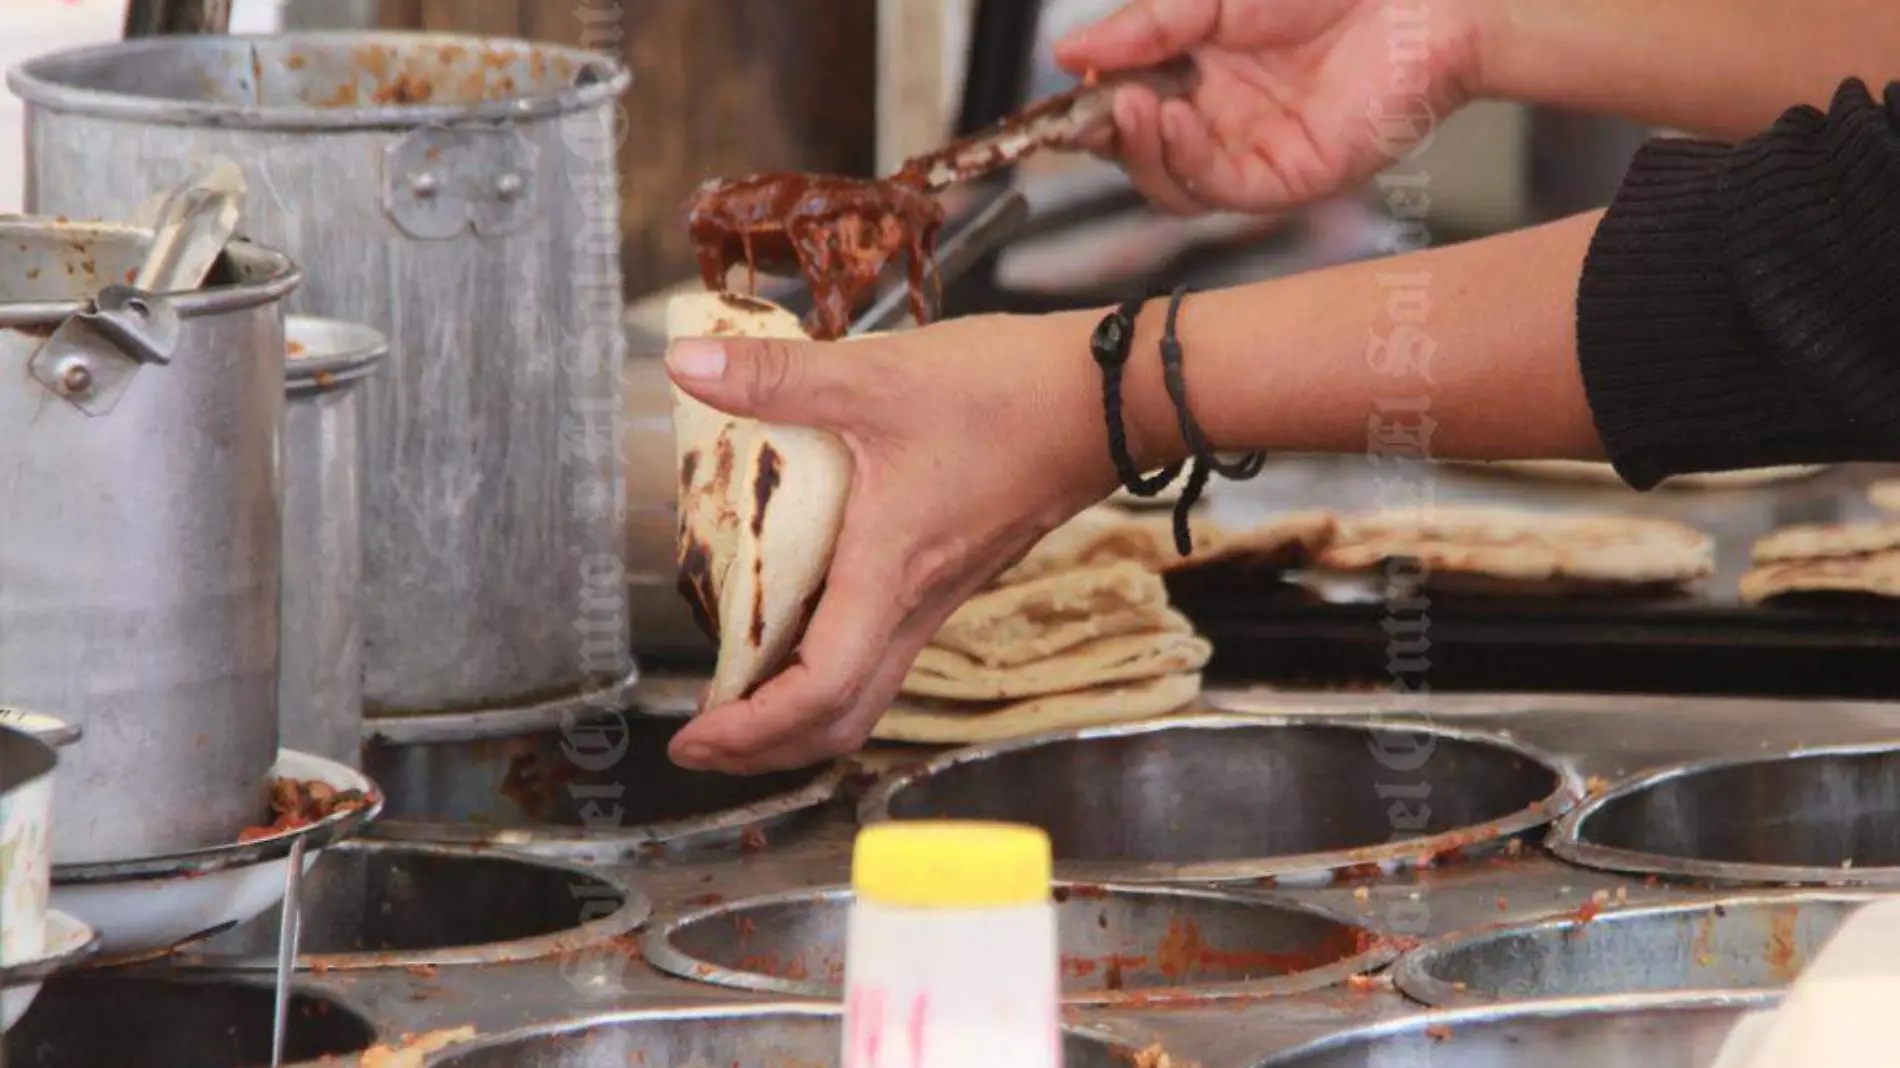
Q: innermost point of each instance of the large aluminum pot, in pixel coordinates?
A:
(458, 194)
(140, 545)
(320, 674)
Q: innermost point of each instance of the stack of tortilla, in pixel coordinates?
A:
(1861, 558)
(1080, 632)
(1492, 550)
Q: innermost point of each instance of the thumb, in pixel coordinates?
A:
(770, 379)
(1140, 33)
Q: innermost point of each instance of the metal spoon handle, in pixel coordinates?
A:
(194, 223)
(287, 933)
(1061, 122)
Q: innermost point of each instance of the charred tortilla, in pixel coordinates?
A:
(760, 506)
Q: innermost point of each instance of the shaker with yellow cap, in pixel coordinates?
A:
(950, 954)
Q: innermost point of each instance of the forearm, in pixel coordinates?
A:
(1480, 338)
(1716, 68)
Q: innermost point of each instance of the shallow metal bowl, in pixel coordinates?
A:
(372, 904)
(765, 1036)
(1118, 943)
(86, 1020)
(1632, 1031)
(596, 784)
(1737, 943)
(1809, 817)
(1244, 798)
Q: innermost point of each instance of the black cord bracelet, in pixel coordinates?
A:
(1206, 463)
(1110, 343)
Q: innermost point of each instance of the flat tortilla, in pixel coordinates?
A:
(1055, 613)
(1876, 574)
(1885, 494)
(924, 722)
(1825, 541)
(760, 507)
(947, 675)
(1600, 474)
(1105, 534)
(1525, 547)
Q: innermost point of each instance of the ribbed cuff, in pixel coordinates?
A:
(1811, 217)
(1678, 376)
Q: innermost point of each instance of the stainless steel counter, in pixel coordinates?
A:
(1594, 738)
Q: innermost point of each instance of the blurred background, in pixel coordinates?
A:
(854, 86)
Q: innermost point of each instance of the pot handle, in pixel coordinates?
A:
(91, 358)
(54, 732)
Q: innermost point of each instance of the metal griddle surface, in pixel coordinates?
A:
(1702, 640)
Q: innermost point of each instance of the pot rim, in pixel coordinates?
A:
(634, 910)
(1288, 870)
(1537, 1009)
(353, 352)
(1414, 977)
(39, 760)
(1568, 838)
(659, 949)
(283, 275)
(52, 730)
(38, 84)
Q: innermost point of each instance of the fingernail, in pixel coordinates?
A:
(694, 756)
(697, 358)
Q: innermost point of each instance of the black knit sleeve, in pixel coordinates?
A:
(1740, 305)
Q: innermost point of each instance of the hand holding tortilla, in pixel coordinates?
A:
(904, 489)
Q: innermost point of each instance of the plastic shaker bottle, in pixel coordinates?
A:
(950, 954)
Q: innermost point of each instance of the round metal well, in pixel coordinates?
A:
(595, 784)
(1243, 798)
(84, 1020)
(770, 1036)
(1738, 943)
(1809, 817)
(373, 904)
(1152, 943)
(1634, 1031)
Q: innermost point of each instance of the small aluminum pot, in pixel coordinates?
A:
(320, 668)
(27, 759)
(141, 549)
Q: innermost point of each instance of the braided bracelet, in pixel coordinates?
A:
(1110, 344)
(1206, 463)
